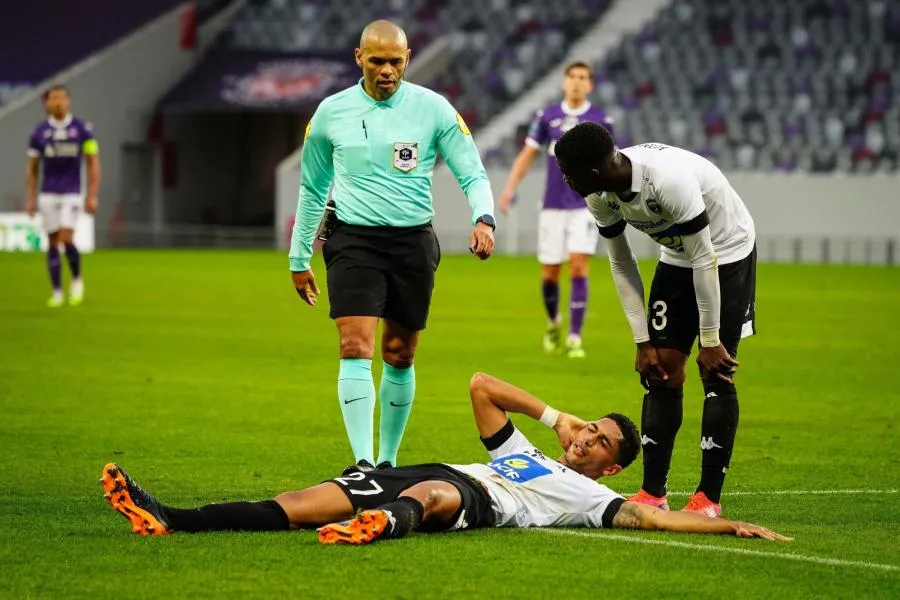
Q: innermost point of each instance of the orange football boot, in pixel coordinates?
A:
(700, 504)
(364, 529)
(138, 506)
(643, 497)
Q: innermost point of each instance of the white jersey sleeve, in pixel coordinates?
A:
(629, 285)
(680, 194)
(508, 440)
(606, 212)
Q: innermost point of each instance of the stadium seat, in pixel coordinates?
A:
(805, 85)
(500, 47)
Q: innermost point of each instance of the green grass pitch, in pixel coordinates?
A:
(204, 375)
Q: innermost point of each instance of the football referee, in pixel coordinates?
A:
(377, 141)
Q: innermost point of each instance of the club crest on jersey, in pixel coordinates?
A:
(564, 123)
(654, 206)
(518, 468)
(568, 123)
(406, 156)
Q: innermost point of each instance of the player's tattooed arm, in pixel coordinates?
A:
(632, 515)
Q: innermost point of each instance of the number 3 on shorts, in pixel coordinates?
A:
(659, 319)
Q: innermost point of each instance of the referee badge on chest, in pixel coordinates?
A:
(406, 156)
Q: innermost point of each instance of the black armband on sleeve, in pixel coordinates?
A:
(613, 230)
(695, 225)
(499, 438)
(612, 509)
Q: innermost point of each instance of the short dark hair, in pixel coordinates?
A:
(630, 446)
(57, 87)
(579, 64)
(585, 146)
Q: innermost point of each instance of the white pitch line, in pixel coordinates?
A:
(819, 560)
(794, 493)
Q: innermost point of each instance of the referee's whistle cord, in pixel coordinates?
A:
(365, 133)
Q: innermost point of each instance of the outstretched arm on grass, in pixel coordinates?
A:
(632, 515)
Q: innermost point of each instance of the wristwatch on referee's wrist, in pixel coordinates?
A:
(487, 220)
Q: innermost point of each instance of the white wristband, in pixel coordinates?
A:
(709, 339)
(549, 416)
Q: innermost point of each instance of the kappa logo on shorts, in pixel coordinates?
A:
(406, 156)
(519, 468)
(461, 522)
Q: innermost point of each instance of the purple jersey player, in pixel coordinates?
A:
(58, 144)
(565, 227)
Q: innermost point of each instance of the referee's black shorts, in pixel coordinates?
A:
(385, 272)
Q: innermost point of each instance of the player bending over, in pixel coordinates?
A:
(520, 487)
(704, 285)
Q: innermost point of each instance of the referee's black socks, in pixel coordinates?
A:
(229, 516)
(720, 421)
(660, 420)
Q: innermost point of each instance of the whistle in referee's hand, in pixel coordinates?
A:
(472, 249)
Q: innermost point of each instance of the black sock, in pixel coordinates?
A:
(660, 421)
(407, 513)
(230, 516)
(720, 421)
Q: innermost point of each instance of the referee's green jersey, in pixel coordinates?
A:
(380, 155)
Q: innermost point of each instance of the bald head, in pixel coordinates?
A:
(383, 55)
(382, 32)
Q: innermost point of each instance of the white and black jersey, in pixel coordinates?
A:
(675, 193)
(528, 489)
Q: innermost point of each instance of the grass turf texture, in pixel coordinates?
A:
(205, 376)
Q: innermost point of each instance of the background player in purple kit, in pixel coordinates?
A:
(565, 227)
(59, 143)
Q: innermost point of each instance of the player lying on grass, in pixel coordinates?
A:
(520, 487)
